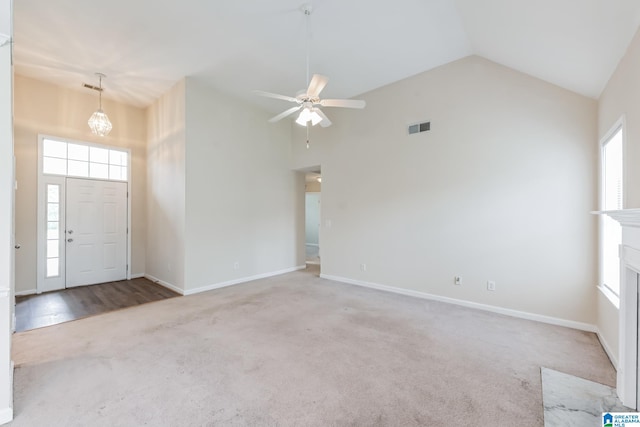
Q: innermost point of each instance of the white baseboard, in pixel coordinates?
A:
(242, 280)
(137, 275)
(27, 292)
(167, 285)
(494, 309)
(6, 415)
(607, 349)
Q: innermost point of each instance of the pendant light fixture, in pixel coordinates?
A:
(99, 122)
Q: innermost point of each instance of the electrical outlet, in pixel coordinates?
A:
(491, 285)
(457, 280)
(236, 265)
(363, 267)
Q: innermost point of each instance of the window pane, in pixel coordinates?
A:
(54, 166)
(52, 212)
(53, 230)
(613, 173)
(118, 158)
(612, 180)
(53, 193)
(53, 267)
(99, 155)
(78, 168)
(99, 170)
(54, 148)
(78, 152)
(52, 248)
(115, 172)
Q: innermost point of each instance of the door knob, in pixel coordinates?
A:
(69, 240)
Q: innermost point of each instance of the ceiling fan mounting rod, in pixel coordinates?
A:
(307, 9)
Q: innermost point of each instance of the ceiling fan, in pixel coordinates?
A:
(308, 102)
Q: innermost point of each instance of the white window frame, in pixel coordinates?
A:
(619, 125)
(42, 282)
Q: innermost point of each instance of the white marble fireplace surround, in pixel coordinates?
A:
(627, 379)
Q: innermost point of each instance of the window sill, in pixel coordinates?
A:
(613, 298)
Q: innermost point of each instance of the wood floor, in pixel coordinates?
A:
(51, 308)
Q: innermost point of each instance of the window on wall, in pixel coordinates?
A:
(84, 161)
(611, 199)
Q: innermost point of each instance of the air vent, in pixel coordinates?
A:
(92, 87)
(419, 127)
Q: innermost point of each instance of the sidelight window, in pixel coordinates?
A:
(53, 230)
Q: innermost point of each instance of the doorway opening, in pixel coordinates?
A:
(313, 187)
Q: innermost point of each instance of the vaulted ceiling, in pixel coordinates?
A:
(145, 46)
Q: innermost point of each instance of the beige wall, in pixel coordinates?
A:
(243, 202)
(166, 187)
(621, 97)
(44, 108)
(500, 189)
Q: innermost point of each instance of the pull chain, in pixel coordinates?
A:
(307, 135)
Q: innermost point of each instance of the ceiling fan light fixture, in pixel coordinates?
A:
(308, 115)
(308, 101)
(99, 121)
(303, 118)
(315, 117)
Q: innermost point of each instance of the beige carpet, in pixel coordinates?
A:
(295, 350)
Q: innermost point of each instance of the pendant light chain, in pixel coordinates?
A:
(100, 91)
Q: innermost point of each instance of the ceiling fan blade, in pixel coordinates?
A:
(284, 114)
(317, 83)
(275, 95)
(325, 123)
(345, 103)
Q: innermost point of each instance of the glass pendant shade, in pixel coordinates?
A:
(99, 123)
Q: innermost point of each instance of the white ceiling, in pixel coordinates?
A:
(145, 46)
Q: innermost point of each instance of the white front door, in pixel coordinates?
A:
(96, 231)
